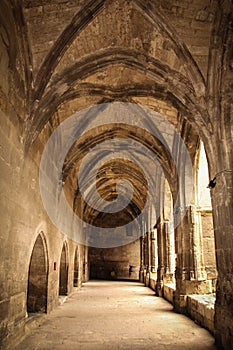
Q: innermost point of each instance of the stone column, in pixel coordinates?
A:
(222, 202)
(161, 264)
(154, 257)
(149, 252)
(181, 273)
(153, 241)
(188, 263)
(168, 276)
(85, 265)
(146, 250)
(142, 262)
(147, 259)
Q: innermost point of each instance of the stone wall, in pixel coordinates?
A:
(24, 219)
(115, 263)
(201, 309)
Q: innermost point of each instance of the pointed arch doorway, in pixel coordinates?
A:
(38, 277)
(63, 274)
(76, 268)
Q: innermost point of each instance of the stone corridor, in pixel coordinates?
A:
(116, 163)
(116, 315)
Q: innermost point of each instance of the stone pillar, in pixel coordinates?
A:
(144, 267)
(146, 250)
(153, 247)
(222, 202)
(168, 272)
(142, 263)
(85, 265)
(154, 259)
(181, 273)
(161, 264)
(147, 259)
(149, 252)
(188, 263)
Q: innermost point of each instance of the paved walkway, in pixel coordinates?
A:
(117, 315)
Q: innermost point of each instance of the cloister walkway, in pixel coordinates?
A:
(116, 315)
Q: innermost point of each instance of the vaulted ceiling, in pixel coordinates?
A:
(118, 50)
(150, 53)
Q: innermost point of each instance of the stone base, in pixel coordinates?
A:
(141, 276)
(159, 289)
(153, 280)
(168, 292)
(180, 303)
(185, 288)
(147, 279)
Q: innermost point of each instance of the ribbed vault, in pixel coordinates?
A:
(97, 54)
(62, 70)
(118, 169)
(108, 108)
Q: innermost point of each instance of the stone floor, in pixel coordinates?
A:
(116, 315)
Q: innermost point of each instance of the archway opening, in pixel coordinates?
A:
(169, 235)
(63, 277)
(76, 268)
(38, 278)
(205, 217)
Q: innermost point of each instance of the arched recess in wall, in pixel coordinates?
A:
(204, 210)
(38, 277)
(76, 267)
(63, 275)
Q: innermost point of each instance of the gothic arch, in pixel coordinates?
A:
(38, 277)
(176, 87)
(63, 272)
(76, 267)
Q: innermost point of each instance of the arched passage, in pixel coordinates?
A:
(38, 277)
(63, 276)
(76, 267)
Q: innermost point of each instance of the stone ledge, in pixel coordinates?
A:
(153, 280)
(168, 291)
(194, 287)
(201, 308)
